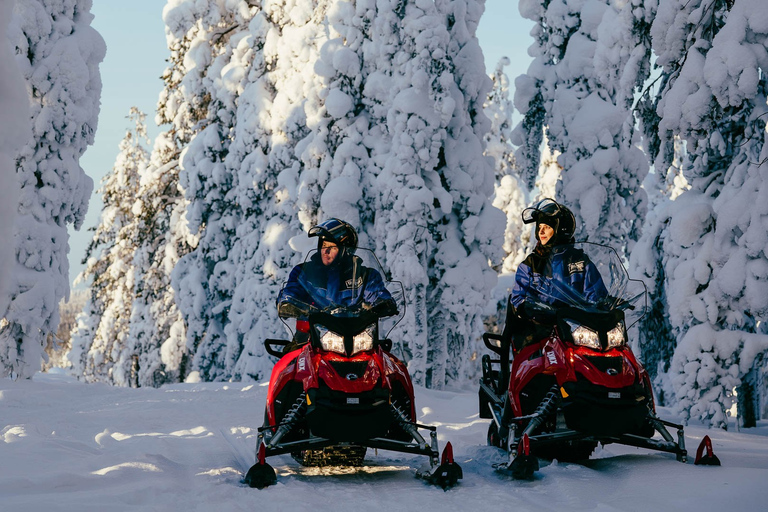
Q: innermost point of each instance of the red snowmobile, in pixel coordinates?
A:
(579, 385)
(343, 391)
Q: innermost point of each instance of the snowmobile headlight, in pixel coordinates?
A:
(584, 336)
(330, 341)
(364, 340)
(616, 337)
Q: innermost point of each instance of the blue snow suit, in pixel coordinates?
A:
(533, 282)
(563, 263)
(343, 283)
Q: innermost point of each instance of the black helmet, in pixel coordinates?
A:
(553, 214)
(337, 231)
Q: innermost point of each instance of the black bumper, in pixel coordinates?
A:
(599, 411)
(349, 417)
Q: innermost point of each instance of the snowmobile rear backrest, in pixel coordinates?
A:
(512, 323)
(498, 345)
(495, 343)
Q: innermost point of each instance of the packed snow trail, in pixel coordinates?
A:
(68, 446)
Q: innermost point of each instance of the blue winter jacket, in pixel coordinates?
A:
(343, 283)
(567, 265)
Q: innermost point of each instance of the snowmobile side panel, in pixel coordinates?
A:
(526, 366)
(282, 373)
(398, 380)
(554, 358)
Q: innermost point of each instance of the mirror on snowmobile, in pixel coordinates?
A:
(270, 344)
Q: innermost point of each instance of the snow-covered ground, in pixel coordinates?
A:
(69, 446)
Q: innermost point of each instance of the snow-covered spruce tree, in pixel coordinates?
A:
(241, 175)
(109, 264)
(301, 163)
(58, 349)
(653, 339)
(204, 278)
(243, 202)
(59, 53)
(312, 135)
(307, 157)
(15, 131)
(161, 348)
(714, 97)
(433, 220)
(157, 349)
(510, 195)
(589, 58)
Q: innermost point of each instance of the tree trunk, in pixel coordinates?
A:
(747, 400)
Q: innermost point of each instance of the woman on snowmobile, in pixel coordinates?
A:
(334, 276)
(553, 259)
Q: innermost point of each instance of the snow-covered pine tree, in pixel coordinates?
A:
(59, 348)
(307, 154)
(109, 265)
(433, 220)
(652, 338)
(714, 55)
(312, 134)
(204, 278)
(589, 58)
(158, 349)
(158, 331)
(15, 131)
(59, 53)
(510, 195)
(546, 181)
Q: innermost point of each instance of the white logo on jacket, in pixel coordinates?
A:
(351, 282)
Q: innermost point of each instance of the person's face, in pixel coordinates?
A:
(545, 233)
(328, 252)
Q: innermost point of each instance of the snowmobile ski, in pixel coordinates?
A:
(705, 456)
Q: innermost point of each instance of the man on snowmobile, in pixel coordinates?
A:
(553, 259)
(335, 276)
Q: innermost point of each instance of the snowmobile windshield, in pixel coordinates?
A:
(590, 277)
(348, 286)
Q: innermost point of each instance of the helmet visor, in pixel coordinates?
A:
(545, 209)
(331, 230)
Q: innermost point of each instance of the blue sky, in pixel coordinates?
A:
(135, 36)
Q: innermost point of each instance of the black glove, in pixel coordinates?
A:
(289, 309)
(537, 312)
(609, 302)
(383, 308)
